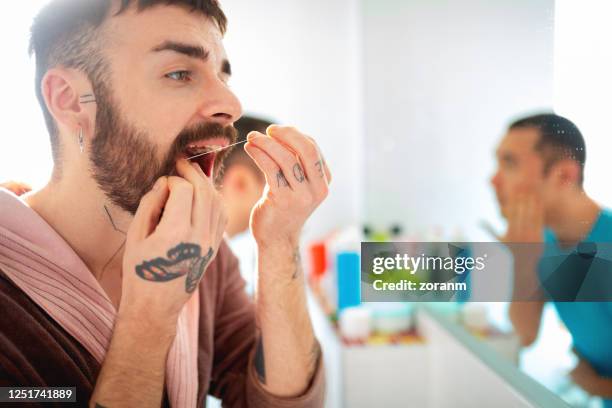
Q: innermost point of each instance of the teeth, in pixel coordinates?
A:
(202, 149)
(199, 150)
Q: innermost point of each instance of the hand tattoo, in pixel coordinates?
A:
(298, 172)
(194, 276)
(297, 260)
(319, 166)
(281, 180)
(184, 259)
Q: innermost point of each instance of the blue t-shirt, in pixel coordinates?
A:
(590, 323)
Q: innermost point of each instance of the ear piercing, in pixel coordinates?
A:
(81, 140)
(87, 98)
(84, 99)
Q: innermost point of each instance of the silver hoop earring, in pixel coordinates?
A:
(81, 140)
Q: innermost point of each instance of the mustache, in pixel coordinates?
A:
(204, 131)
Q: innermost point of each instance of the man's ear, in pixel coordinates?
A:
(63, 90)
(567, 172)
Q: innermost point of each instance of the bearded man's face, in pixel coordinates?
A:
(165, 96)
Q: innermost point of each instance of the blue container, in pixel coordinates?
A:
(349, 279)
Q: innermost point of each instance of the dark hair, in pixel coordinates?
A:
(65, 33)
(559, 139)
(237, 155)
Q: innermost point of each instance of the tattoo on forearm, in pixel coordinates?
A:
(319, 166)
(184, 259)
(281, 180)
(297, 261)
(298, 172)
(259, 361)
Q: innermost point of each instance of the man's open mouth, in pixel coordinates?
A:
(203, 155)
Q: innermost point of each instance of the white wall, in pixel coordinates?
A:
(298, 62)
(25, 153)
(583, 84)
(443, 78)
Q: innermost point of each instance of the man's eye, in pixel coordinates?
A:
(179, 76)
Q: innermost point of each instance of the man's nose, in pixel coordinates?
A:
(495, 180)
(220, 104)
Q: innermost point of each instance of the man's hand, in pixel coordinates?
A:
(524, 238)
(174, 236)
(525, 215)
(525, 218)
(587, 378)
(16, 187)
(297, 180)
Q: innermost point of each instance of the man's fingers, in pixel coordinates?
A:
(537, 208)
(272, 173)
(525, 214)
(285, 159)
(521, 214)
(308, 152)
(327, 172)
(511, 209)
(202, 194)
(149, 211)
(177, 213)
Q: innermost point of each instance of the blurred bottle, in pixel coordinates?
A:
(348, 279)
(317, 252)
(344, 241)
(355, 324)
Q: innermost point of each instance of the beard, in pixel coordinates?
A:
(125, 163)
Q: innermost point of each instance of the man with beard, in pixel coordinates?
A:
(550, 218)
(114, 277)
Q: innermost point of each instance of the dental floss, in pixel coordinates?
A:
(218, 149)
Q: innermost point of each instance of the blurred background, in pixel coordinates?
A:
(408, 100)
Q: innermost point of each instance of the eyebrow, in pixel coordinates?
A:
(507, 157)
(191, 51)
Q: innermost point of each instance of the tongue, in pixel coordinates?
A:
(205, 163)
